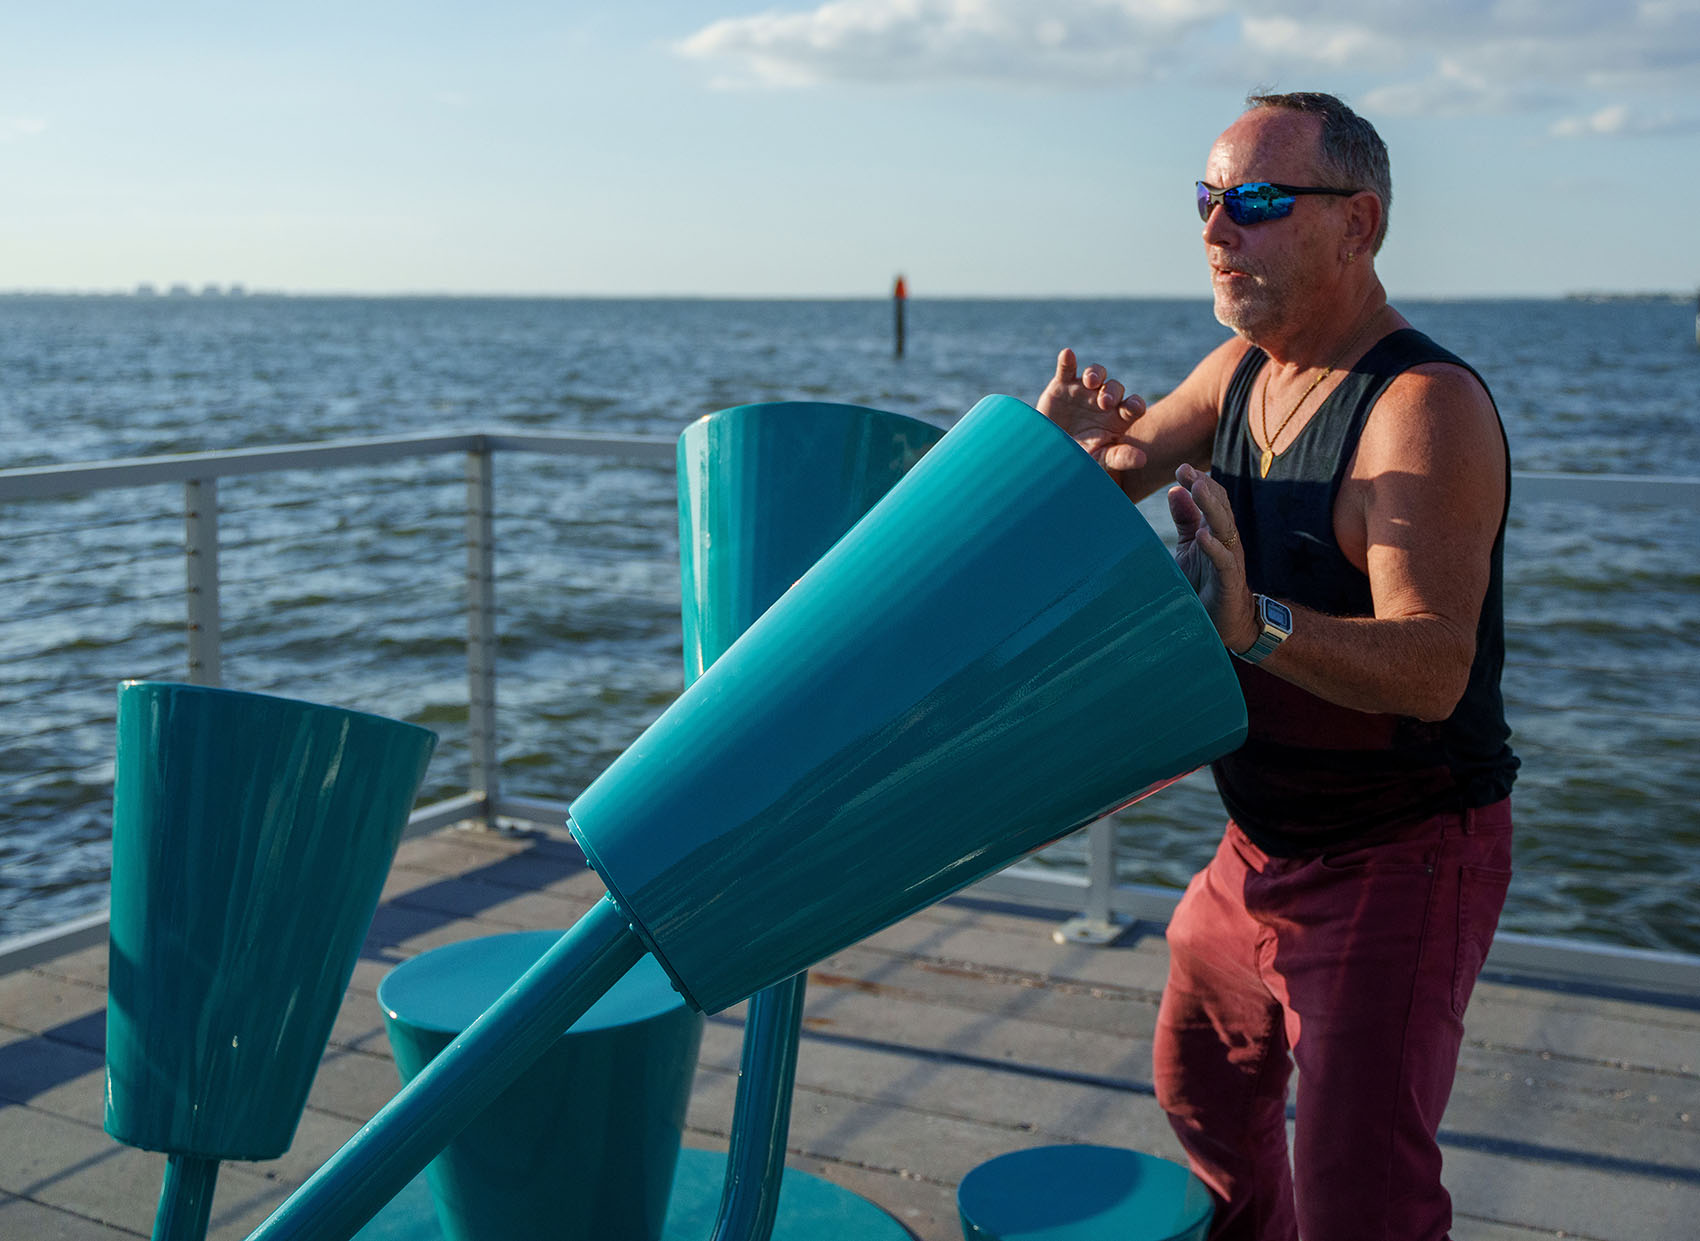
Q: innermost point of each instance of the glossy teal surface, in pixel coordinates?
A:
(1082, 1193)
(583, 1144)
(764, 491)
(185, 1198)
(250, 840)
(1000, 652)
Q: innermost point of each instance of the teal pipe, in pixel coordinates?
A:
(396, 1144)
(761, 1117)
(185, 1198)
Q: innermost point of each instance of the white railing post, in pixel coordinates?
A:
(484, 766)
(1097, 922)
(200, 548)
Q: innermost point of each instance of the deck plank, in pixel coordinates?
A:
(953, 1036)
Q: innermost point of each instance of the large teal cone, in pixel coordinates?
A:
(250, 840)
(1000, 652)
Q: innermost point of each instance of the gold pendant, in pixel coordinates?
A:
(1268, 460)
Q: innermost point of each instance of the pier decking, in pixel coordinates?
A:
(956, 1035)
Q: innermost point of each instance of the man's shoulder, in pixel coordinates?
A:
(1411, 351)
(1441, 383)
(1439, 408)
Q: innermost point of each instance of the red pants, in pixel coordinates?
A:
(1356, 967)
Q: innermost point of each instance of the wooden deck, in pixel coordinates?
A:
(952, 1037)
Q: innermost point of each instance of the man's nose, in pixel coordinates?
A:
(1219, 229)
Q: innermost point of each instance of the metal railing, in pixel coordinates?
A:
(1104, 903)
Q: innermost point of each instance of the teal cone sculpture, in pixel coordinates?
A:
(1000, 652)
(250, 840)
(764, 491)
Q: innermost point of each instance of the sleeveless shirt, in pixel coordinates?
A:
(1313, 775)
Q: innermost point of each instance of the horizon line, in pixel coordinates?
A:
(237, 292)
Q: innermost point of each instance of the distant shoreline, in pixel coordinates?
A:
(266, 295)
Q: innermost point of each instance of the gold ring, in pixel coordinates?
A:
(1231, 541)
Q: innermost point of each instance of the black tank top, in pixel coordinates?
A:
(1313, 775)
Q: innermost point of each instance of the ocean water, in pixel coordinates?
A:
(348, 587)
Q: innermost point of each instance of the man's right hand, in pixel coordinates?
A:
(1096, 410)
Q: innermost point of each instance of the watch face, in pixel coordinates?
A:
(1278, 614)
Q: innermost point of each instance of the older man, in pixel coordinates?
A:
(1341, 500)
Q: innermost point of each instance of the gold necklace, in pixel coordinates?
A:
(1269, 453)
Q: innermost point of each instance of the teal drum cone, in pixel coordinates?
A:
(764, 491)
(250, 840)
(1000, 652)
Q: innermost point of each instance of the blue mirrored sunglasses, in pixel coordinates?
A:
(1257, 201)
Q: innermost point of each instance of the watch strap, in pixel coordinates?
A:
(1269, 634)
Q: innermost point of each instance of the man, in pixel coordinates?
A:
(1340, 503)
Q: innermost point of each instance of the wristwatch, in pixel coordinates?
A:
(1276, 626)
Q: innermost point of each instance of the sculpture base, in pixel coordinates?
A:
(809, 1208)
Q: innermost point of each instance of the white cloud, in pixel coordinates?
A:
(14, 128)
(1051, 42)
(1322, 43)
(1619, 120)
(1445, 56)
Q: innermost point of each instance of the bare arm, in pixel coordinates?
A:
(1140, 447)
(1418, 512)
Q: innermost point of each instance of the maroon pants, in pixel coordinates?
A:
(1354, 966)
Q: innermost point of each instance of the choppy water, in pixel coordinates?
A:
(348, 587)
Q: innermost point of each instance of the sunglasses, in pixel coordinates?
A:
(1257, 201)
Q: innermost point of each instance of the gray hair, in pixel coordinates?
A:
(1353, 154)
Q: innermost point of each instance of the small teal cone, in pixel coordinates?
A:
(764, 491)
(250, 840)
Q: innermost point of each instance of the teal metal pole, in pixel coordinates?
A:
(396, 1144)
(761, 1117)
(185, 1198)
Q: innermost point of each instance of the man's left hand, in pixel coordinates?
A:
(1211, 556)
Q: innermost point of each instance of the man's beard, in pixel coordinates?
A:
(1262, 298)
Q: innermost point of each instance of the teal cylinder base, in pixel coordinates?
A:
(583, 1144)
(250, 840)
(1082, 1193)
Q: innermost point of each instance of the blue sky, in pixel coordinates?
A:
(983, 147)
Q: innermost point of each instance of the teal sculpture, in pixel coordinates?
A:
(764, 492)
(1000, 652)
(250, 840)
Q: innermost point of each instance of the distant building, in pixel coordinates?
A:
(211, 290)
(145, 289)
(180, 290)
